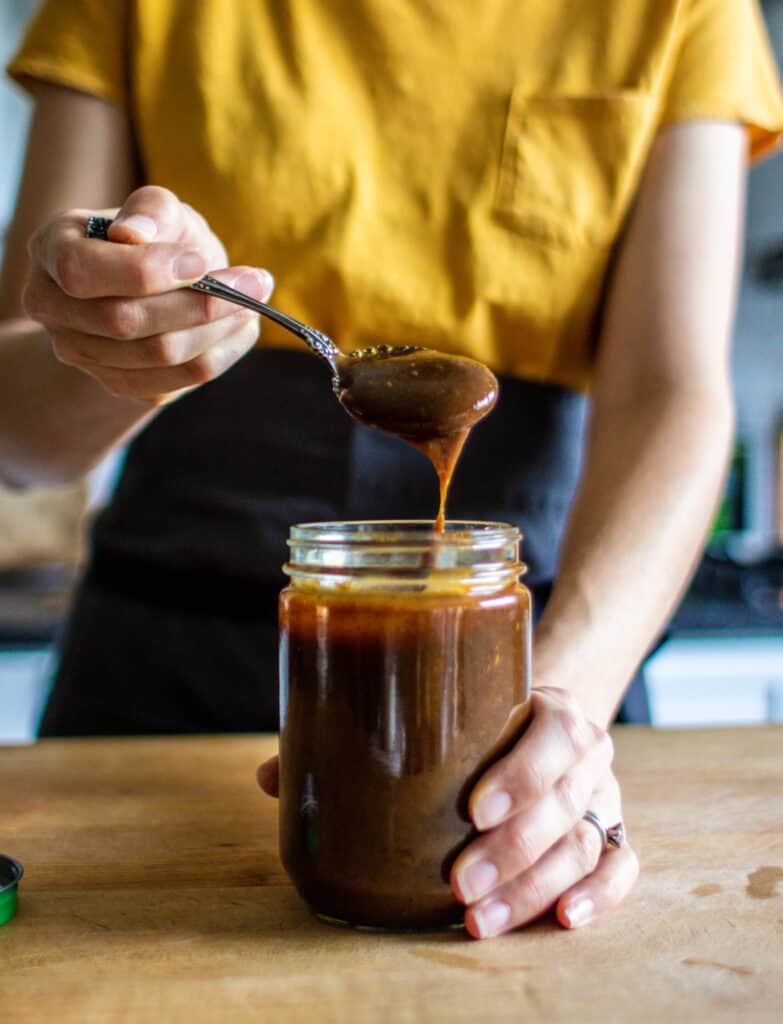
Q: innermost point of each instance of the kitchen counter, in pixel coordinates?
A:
(153, 891)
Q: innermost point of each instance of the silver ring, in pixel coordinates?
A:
(614, 835)
(97, 227)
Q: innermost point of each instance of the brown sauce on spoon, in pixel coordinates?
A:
(429, 399)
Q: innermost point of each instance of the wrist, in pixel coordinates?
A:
(592, 688)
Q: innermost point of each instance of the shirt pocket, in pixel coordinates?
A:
(570, 164)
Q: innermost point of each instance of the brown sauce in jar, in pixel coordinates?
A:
(391, 707)
(428, 398)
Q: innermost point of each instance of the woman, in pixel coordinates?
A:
(555, 189)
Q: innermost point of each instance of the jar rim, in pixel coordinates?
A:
(379, 553)
(393, 532)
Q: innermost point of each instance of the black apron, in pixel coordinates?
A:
(174, 626)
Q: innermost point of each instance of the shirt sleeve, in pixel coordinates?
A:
(82, 44)
(724, 69)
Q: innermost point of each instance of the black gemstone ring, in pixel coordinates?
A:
(98, 227)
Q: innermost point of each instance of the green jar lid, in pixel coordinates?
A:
(10, 873)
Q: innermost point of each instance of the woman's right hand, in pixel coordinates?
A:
(122, 313)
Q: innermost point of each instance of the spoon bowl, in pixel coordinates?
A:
(416, 393)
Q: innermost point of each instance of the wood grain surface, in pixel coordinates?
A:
(153, 892)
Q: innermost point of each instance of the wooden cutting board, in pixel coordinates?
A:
(153, 892)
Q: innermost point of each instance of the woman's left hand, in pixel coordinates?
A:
(536, 851)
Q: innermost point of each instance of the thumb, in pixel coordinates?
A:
(268, 776)
(150, 214)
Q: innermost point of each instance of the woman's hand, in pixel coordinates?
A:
(535, 850)
(121, 313)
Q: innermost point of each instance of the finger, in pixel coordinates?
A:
(171, 348)
(601, 891)
(154, 383)
(558, 736)
(150, 214)
(129, 319)
(515, 845)
(268, 776)
(156, 214)
(90, 267)
(533, 892)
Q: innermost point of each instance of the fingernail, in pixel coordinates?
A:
(477, 879)
(491, 809)
(140, 225)
(189, 266)
(579, 912)
(259, 284)
(492, 918)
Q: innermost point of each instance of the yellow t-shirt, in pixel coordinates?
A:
(417, 171)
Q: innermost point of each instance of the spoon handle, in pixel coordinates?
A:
(319, 342)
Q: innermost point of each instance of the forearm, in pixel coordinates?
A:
(651, 480)
(56, 422)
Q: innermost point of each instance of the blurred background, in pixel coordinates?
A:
(722, 658)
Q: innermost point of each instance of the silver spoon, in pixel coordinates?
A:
(414, 392)
(320, 343)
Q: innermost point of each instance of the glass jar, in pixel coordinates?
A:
(402, 654)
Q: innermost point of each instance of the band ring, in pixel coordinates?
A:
(613, 835)
(98, 227)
